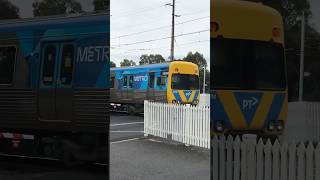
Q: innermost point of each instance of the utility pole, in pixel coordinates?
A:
(302, 57)
(204, 79)
(172, 28)
(172, 31)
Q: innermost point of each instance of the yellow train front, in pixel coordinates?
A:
(183, 83)
(248, 69)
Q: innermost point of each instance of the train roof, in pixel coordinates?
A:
(147, 66)
(47, 22)
(245, 20)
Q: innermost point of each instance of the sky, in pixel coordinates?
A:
(135, 21)
(134, 18)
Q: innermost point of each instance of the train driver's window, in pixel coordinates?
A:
(49, 59)
(67, 64)
(7, 61)
(125, 81)
(131, 81)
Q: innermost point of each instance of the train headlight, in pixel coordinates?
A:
(219, 126)
(196, 102)
(271, 126)
(279, 125)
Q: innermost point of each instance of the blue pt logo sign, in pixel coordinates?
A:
(247, 104)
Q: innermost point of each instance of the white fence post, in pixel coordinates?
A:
(215, 158)
(259, 151)
(309, 162)
(284, 162)
(236, 165)
(275, 160)
(267, 160)
(301, 161)
(317, 162)
(222, 159)
(292, 161)
(229, 165)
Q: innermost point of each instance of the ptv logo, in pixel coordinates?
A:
(248, 104)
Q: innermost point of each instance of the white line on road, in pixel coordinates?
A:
(127, 131)
(133, 139)
(153, 140)
(123, 124)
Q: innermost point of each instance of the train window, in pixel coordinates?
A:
(112, 81)
(151, 80)
(67, 59)
(49, 59)
(161, 81)
(7, 61)
(125, 81)
(131, 82)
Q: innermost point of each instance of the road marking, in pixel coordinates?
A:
(153, 140)
(127, 131)
(123, 124)
(127, 140)
(29, 157)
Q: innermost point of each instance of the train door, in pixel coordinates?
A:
(130, 89)
(55, 92)
(151, 86)
(64, 91)
(124, 90)
(47, 82)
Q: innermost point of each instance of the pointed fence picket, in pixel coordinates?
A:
(182, 123)
(247, 158)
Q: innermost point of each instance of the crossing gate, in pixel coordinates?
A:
(182, 123)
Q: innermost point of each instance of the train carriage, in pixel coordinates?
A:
(54, 80)
(249, 91)
(174, 82)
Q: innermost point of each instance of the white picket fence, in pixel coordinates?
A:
(235, 159)
(186, 124)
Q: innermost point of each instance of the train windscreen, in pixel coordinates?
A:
(185, 82)
(247, 64)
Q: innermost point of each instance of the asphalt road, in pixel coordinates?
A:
(124, 127)
(12, 168)
(135, 157)
(132, 157)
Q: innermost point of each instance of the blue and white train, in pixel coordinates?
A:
(54, 87)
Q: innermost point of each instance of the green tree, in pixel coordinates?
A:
(127, 63)
(101, 5)
(198, 59)
(151, 59)
(55, 7)
(8, 10)
(112, 64)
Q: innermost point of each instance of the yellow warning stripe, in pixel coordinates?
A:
(182, 96)
(284, 109)
(232, 109)
(262, 111)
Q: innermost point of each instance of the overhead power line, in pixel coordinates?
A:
(161, 48)
(163, 38)
(158, 28)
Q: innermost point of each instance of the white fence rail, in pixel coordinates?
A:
(186, 124)
(247, 159)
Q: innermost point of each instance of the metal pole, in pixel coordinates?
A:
(172, 31)
(204, 79)
(302, 57)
